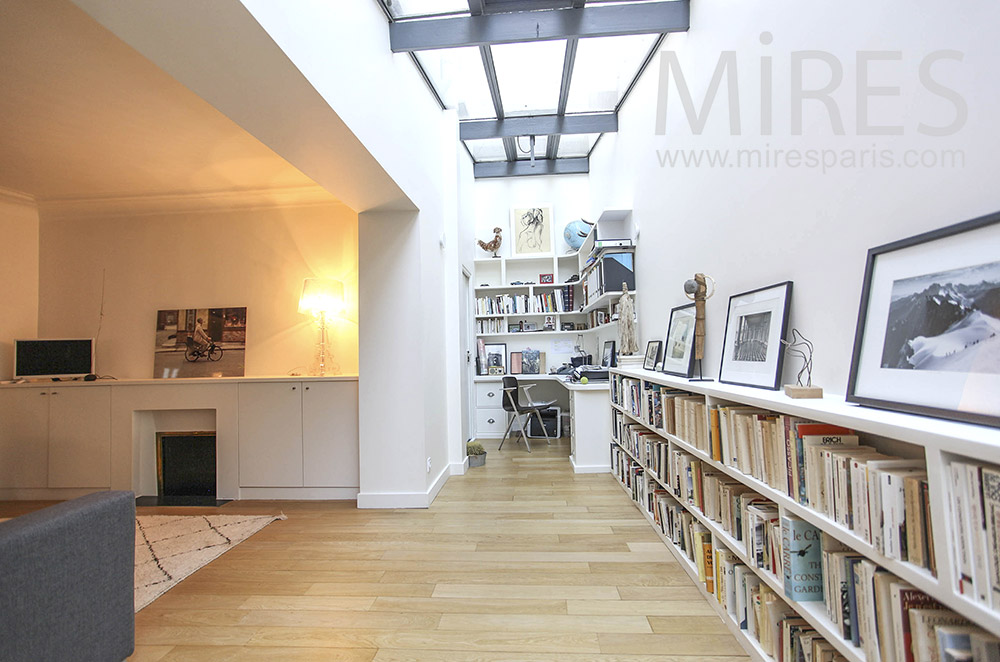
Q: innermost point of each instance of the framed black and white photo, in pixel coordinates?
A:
(678, 346)
(928, 335)
(496, 358)
(608, 357)
(752, 353)
(652, 354)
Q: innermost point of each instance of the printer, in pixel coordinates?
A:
(591, 372)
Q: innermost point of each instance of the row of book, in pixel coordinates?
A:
(888, 618)
(514, 304)
(974, 505)
(670, 410)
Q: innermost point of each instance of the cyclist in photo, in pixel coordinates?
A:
(200, 336)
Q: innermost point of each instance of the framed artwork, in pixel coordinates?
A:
(928, 334)
(532, 361)
(752, 353)
(481, 357)
(550, 323)
(546, 279)
(568, 326)
(608, 356)
(200, 342)
(532, 229)
(652, 354)
(496, 358)
(515, 363)
(678, 345)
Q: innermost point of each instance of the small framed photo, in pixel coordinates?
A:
(529, 326)
(546, 279)
(678, 345)
(515, 363)
(652, 354)
(752, 352)
(496, 358)
(550, 322)
(928, 334)
(608, 357)
(513, 328)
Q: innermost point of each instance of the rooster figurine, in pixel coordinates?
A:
(493, 245)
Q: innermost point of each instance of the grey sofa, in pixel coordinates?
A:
(66, 581)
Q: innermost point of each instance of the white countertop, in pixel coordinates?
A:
(180, 380)
(562, 379)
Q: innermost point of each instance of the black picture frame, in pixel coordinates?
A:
(919, 336)
(652, 354)
(678, 343)
(494, 350)
(757, 320)
(609, 359)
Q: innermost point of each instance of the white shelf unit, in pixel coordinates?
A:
(940, 441)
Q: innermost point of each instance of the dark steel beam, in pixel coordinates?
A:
(507, 6)
(476, 7)
(525, 169)
(597, 21)
(538, 125)
(569, 59)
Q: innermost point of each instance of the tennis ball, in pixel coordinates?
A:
(584, 380)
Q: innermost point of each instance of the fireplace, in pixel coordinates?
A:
(185, 468)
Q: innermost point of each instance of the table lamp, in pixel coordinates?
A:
(322, 298)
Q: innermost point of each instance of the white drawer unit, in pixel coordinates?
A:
(489, 395)
(490, 423)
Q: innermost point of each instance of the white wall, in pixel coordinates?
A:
(18, 275)
(256, 258)
(751, 227)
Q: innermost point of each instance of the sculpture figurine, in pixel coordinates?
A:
(794, 347)
(696, 289)
(627, 342)
(493, 245)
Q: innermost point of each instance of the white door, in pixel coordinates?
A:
(467, 363)
(80, 436)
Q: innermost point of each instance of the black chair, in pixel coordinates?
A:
(512, 404)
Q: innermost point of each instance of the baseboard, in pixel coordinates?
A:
(459, 468)
(46, 493)
(589, 468)
(303, 493)
(405, 499)
(438, 483)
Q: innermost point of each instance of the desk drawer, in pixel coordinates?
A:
(491, 421)
(489, 394)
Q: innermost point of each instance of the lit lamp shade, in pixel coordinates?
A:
(321, 295)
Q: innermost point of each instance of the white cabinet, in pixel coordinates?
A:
(55, 437)
(298, 434)
(491, 419)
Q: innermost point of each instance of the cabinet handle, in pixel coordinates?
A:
(54, 393)
(491, 421)
(490, 394)
(43, 393)
(307, 388)
(293, 388)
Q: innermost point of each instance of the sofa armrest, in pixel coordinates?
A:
(67, 578)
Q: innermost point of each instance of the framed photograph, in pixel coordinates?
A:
(532, 229)
(515, 363)
(608, 357)
(652, 354)
(752, 353)
(546, 279)
(200, 342)
(928, 335)
(513, 328)
(496, 358)
(678, 345)
(550, 323)
(529, 326)
(532, 362)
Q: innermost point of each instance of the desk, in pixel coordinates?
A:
(589, 412)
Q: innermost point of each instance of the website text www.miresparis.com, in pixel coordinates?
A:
(822, 160)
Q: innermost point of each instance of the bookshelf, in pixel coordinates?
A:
(938, 443)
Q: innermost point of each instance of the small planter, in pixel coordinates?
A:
(477, 460)
(476, 453)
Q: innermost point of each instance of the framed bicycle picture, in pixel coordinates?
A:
(752, 353)
(928, 334)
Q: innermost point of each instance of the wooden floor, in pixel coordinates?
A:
(520, 560)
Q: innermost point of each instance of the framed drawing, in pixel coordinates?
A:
(532, 229)
(496, 358)
(752, 353)
(652, 354)
(608, 357)
(678, 346)
(928, 335)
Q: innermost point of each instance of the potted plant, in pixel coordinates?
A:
(476, 453)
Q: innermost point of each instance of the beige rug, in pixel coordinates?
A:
(168, 548)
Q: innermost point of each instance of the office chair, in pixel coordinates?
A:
(513, 404)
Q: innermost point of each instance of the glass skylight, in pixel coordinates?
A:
(605, 66)
(412, 8)
(576, 145)
(524, 147)
(529, 75)
(460, 80)
(490, 149)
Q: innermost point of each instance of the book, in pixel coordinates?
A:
(803, 570)
(903, 598)
(923, 624)
(977, 533)
(883, 581)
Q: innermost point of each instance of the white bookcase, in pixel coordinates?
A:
(938, 441)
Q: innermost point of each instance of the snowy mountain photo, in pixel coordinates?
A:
(947, 321)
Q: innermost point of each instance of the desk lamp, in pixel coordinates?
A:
(322, 298)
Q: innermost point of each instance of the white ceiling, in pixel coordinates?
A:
(83, 115)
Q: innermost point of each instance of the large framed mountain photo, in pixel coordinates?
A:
(928, 335)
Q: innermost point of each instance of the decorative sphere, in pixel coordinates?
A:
(572, 234)
(584, 380)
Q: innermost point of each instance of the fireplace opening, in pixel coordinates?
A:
(185, 470)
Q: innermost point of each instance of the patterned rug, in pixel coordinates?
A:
(168, 548)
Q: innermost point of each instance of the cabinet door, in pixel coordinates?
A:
(270, 420)
(491, 422)
(80, 437)
(24, 437)
(489, 395)
(330, 434)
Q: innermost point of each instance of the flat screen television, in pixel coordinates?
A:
(64, 358)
